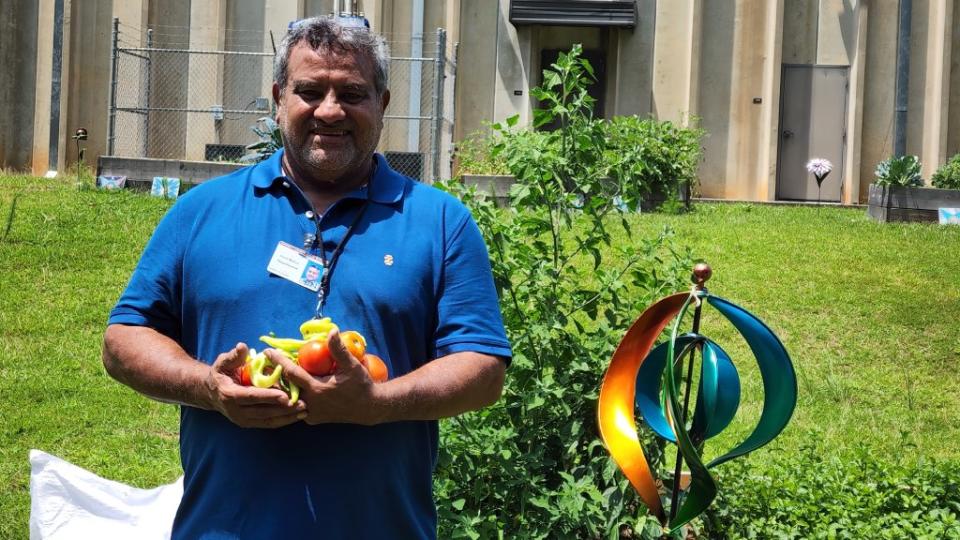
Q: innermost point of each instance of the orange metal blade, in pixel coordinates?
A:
(615, 411)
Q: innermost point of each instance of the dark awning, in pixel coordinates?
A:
(617, 13)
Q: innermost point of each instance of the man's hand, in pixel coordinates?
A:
(248, 406)
(348, 395)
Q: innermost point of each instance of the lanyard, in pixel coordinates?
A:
(328, 266)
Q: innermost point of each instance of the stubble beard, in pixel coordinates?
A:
(322, 163)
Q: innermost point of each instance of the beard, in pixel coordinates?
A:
(324, 159)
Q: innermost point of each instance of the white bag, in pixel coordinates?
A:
(68, 502)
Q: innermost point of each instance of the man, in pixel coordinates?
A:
(406, 267)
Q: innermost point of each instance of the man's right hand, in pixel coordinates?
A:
(248, 406)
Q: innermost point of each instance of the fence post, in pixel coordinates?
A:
(438, 101)
(146, 114)
(112, 130)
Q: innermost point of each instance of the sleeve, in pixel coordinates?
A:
(153, 295)
(468, 311)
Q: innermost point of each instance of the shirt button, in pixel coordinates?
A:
(309, 214)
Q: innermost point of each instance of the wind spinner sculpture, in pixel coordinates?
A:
(640, 378)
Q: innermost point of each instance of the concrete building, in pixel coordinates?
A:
(773, 82)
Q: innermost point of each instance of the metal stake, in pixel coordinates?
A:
(701, 273)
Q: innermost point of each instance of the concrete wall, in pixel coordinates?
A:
(476, 68)
(88, 72)
(18, 61)
(953, 125)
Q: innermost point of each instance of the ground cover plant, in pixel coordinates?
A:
(867, 310)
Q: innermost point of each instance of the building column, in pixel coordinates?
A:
(676, 55)
(277, 15)
(769, 137)
(850, 191)
(19, 36)
(43, 105)
(205, 75)
(936, 95)
(511, 91)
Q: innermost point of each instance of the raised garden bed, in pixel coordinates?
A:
(140, 171)
(901, 203)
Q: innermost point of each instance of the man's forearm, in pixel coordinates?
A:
(154, 365)
(445, 387)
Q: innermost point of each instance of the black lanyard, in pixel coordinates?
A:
(328, 266)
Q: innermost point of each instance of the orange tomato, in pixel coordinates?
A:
(354, 343)
(375, 367)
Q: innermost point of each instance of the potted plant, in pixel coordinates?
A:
(899, 193)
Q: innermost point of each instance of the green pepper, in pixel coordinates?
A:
(258, 365)
(291, 389)
(283, 344)
(317, 328)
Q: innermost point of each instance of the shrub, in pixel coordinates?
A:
(659, 156)
(899, 171)
(948, 176)
(475, 156)
(533, 466)
(814, 495)
(638, 162)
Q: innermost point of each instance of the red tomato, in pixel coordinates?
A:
(243, 374)
(315, 357)
(375, 367)
(354, 343)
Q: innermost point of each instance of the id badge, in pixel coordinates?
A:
(296, 265)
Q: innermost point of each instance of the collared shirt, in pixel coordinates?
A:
(414, 279)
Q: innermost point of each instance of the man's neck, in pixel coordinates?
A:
(323, 192)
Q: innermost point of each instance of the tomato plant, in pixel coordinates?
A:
(315, 357)
(375, 367)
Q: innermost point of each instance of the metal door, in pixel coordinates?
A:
(813, 104)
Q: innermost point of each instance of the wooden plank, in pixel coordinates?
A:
(912, 215)
(914, 197)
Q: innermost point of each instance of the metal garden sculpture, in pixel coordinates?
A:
(640, 378)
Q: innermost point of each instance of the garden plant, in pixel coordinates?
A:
(533, 466)
(947, 176)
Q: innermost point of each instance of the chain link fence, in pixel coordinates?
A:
(200, 105)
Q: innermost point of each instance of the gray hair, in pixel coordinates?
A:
(328, 34)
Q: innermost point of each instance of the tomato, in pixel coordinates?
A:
(243, 374)
(354, 343)
(375, 367)
(315, 357)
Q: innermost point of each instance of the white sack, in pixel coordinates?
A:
(68, 502)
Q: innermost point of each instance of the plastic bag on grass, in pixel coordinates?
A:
(68, 502)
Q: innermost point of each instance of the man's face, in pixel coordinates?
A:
(329, 112)
(312, 273)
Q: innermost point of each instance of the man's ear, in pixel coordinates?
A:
(384, 101)
(276, 94)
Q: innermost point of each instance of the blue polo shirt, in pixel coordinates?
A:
(414, 279)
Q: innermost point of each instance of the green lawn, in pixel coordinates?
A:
(868, 312)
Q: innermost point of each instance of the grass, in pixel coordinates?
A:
(868, 312)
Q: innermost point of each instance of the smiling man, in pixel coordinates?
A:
(405, 265)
